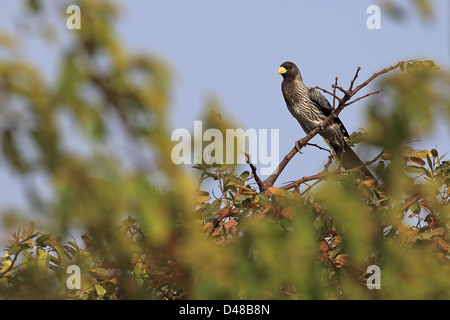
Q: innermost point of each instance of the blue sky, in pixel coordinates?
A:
(232, 50)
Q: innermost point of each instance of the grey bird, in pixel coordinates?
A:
(311, 108)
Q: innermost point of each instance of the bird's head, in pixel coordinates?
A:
(289, 71)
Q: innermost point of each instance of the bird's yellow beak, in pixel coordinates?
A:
(282, 70)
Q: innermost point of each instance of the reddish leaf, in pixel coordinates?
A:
(230, 223)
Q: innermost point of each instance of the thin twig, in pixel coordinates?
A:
(411, 202)
(377, 74)
(365, 96)
(354, 78)
(309, 187)
(319, 147)
(260, 183)
(293, 184)
(328, 164)
(334, 93)
(341, 89)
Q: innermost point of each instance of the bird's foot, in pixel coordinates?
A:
(298, 146)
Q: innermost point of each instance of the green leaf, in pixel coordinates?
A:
(430, 164)
(74, 245)
(243, 197)
(281, 193)
(62, 258)
(34, 5)
(244, 175)
(412, 68)
(11, 151)
(380, 169)
(226, 167)
(43, 259)
(415, 208)
(102, 273)
(232, 181)
(262, 199)
(434, 153)
(100, 290)
(15, 249)
(41, 241)
(3, 283)
(416, 169)
(29, 231)
(5, 263)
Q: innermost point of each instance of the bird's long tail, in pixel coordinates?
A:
(351, 160)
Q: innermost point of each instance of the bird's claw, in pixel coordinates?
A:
(298, 146)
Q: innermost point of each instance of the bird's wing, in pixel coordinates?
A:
(325, 107)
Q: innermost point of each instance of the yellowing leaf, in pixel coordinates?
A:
(43, 259)
(423, 154)
(369, 182)
(341, 260)
(3, 283)
(207, 226)
(409, 152)
(288, 212)
(281, 193)
(7, 41)
(100, 290)
(203, 199)
(103, 273)
(6, 262)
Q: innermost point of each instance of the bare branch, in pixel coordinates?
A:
(348, 94)
(333, 94)
(335, 86)
(353, 81)
(365, 96)
(411, 202)
(297, 183)
(319, 147)
(377, 74)
(260, 183)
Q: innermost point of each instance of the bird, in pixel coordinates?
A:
(311, 108)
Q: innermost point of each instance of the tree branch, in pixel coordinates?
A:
(260, 183)
(365, 96)
(354, 78)
(348, 94)
(333, 94)
(319, 147)
(411, 202)
(323, 174)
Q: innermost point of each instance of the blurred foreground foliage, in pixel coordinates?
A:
(151, 230)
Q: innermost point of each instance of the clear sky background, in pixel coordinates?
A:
(232, 50)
